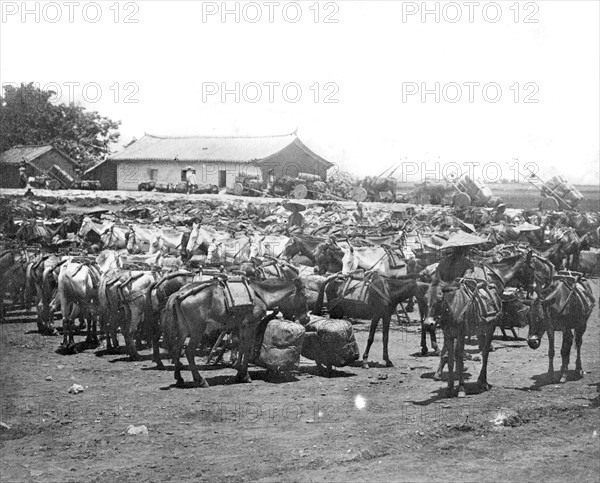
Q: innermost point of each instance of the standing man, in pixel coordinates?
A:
(23, 181)
(190, 177)
(271, 181)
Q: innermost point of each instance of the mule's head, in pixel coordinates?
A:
(349, 261)
(537, 325)
(295, 307)
(291, 249)
(86, 226)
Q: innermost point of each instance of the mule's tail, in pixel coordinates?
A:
(150, 324)
(170, 326)
(29, 287)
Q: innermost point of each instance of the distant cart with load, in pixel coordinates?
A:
(472, 192)
(558, 193)
(304, 186)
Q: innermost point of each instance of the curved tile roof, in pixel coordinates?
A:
(208, 148)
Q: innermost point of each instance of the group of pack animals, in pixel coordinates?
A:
(154, 283)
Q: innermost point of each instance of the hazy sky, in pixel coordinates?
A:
(373, 58)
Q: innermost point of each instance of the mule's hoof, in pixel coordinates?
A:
(160, 366)
(202, 383)
(563, 379)
(243, 379)
(389, 363)
(462, 393)
(424, 351)
(449, 392)
(437, 376)
(179, 383)
(365, 365)
(484, 386)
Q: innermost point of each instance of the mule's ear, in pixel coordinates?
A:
(298, 283)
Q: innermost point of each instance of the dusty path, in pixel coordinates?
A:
(306, 429)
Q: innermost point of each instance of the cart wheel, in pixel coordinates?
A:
(300, 192)
(358, 194)
(462, 200)
(238, 189)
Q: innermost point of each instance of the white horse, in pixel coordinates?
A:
(376, 259)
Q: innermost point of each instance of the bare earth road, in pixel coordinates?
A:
(379, 424)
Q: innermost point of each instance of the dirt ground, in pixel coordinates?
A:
(386, 424)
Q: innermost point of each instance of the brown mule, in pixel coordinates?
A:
(566, 305)
(203, 306)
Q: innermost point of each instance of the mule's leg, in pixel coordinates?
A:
(565, 353)
(485, 344)
(175, 353)
(65, 327)
(424, 331)
(245, 346)
(450, 347)
(130, 344)
(387, 319)
(190, 354)
(443, 360)
(551, 354)
(373, 328)
(432, 337)
(578, 341)
(156, 349)
(92, 336)
(458, 357)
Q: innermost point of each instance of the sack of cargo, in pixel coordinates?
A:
(281, 345)
(162, 187)
(331, 342)
(181, 187)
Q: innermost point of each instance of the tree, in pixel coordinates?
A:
(28, 117)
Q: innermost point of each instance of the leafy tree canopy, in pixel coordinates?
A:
(28, 117)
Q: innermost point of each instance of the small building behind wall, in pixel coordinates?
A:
(37, 161)
(217, 160)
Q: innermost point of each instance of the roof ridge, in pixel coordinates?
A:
(222, 137)
(31, 146)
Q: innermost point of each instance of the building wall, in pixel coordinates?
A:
(9, 173)
(291, 161)
(47, 160)
(130, 173)
(106, 173)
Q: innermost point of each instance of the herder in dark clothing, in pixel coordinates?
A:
(454, 265)
(296, 220)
